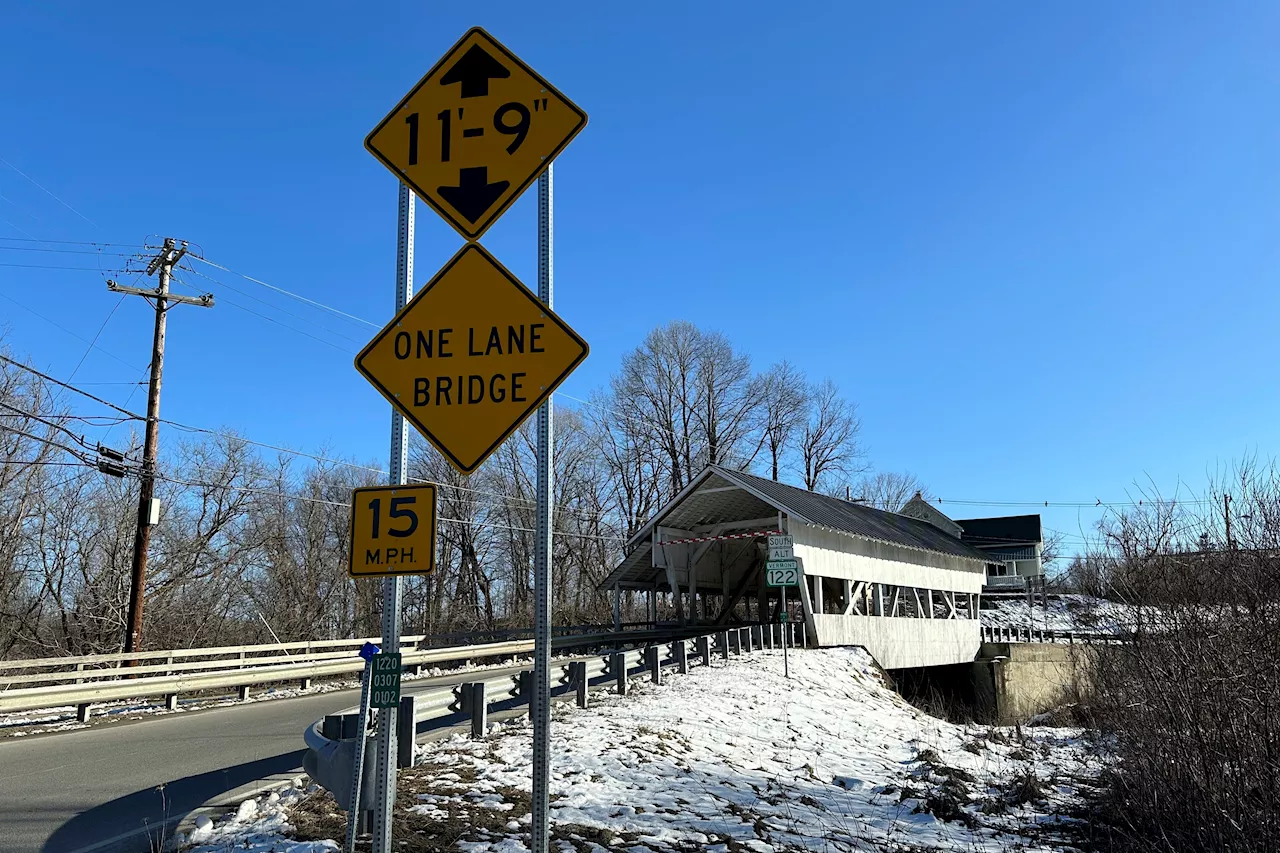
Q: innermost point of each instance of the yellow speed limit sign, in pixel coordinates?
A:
(393, 531)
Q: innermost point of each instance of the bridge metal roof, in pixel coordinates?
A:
(721, 495)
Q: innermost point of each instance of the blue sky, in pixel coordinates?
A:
(1035, 243)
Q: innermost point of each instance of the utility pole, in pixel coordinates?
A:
(1226, 514)
(148, 507)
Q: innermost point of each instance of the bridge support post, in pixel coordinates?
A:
(406, 731)
(578, 678)
(653, 655)
(704, 649)
(618, 666)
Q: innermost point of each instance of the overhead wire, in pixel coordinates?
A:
(288, 293)
(97, 252)
(347, 504)
(275, 307)
(129, 415)
(60, 242)
(63, 328)
(48, 192)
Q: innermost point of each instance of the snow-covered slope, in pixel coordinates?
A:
(738, 758)
(1079, 613)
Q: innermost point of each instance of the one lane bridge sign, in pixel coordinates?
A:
(393, 531)
(471, 357)
(475, 132)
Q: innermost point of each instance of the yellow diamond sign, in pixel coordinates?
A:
(475, 132)
(471, 357)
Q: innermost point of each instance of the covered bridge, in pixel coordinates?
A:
(902, 587)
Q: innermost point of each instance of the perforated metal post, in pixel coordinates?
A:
(540, 708)
(386, 751)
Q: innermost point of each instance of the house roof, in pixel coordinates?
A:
(994, 532)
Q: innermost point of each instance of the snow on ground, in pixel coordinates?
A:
(1079, 613)
(255, 827)
(737, 758)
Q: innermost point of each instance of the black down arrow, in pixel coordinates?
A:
(473, 195)
(473, 71)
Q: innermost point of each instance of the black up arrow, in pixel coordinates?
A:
(474, 194)
(473, 71)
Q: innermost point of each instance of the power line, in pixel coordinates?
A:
(275, 321)
(50, 267)
(345, 505)
(46, 377)
(268, 304)
(290, 294)
(237, 437)
(1096, 503)
(94, 342)
(62, 328)
(98, 252)
(60, 242)
(47, 192)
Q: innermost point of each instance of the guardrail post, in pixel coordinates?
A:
(704, 649)
(406, 731)
(304, 683)
(724, 644)
(766, 631)
(578, 677)
(479, 706)
(243, 692)
(526, 688)
(242, 660)
(331, 728)
(804, 634)
(169, 662)
(1071, 637)
(83, 712)
(682, 657)
(618, 665)
(171, 702)
(653, 656)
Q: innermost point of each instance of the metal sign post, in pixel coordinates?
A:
(540, 709)
(786, 630)
(386, 777)
(357, 773)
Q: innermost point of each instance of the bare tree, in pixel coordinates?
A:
(890, 490)
(828, 442)
(727, 397)
(656, 389)
(785, 394)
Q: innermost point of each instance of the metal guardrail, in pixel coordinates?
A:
(331, 739)
(245, 673)
(83, 665)
(1020, 634)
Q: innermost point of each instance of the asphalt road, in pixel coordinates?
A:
(109, 787)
